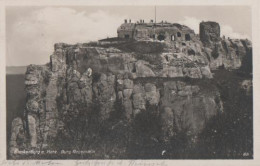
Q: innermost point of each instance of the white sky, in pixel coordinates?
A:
(32, 31)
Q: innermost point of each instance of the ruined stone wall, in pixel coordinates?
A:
(126, 29)
(209, 32)
(171, 33)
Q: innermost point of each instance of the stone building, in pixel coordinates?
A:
(163, 31)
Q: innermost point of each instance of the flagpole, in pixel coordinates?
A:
(154, 23)
(155, 14)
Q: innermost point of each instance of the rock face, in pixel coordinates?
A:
(81, 80)
(105, 94)
(187, 107)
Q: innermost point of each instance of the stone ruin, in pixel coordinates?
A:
(155, 31)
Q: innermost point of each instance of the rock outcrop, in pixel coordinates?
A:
(187, 107)
(81, 80)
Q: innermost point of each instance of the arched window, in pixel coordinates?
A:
(187, 37)
(178, 34)
(161, 37)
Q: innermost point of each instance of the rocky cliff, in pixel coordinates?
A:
(85, 86)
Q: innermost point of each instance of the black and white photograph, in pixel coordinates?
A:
(133, 82)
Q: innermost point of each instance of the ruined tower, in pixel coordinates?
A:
(209, 32)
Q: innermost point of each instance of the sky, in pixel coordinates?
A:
(31, 32)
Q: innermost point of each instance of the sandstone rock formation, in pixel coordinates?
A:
(81, 77)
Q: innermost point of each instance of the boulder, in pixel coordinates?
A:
(205, 71)
(142, 70)
(139, 101)
(149, 87)
(17, 130)
(32, 106)
(32, 130)
(138, 88)
(128, 84)
(152, 97)
(127, 93)
(128, 108)
(193, 72)
(175, 72)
